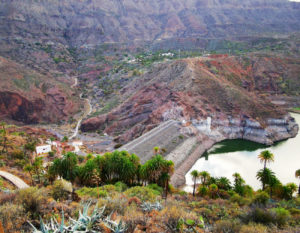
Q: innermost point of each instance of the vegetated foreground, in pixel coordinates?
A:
(125, 196)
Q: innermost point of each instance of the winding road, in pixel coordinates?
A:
(86, 112)
(20, 184)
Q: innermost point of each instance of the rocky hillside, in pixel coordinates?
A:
(29, 97)
(194, 89)
(91, 22)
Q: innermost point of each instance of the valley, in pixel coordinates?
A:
(115, 104)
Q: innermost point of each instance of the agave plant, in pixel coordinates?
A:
(85, 223)
(148, 207)
(114, 226)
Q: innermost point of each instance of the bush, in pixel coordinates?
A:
(227, 226)
(120, 186)
(7, 197)
(259, 215)
(202, 191)
(60, 190)
(12, 217)
(261, 198)
(32, 199)
(281, 216)
(240, 200)
(156, 188)
(253, 228)
(143, 193)
(92, 192)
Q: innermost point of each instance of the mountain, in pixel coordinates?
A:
(218, 86)
(91, 22)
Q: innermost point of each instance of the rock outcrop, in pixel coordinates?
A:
(29, 97)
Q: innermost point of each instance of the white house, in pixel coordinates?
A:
(77, 145)
(43, 149)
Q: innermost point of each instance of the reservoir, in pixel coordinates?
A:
(230, 156)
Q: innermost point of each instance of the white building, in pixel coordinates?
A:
(43, 149)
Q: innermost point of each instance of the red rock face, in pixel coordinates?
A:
(14, 106)
(218, 86)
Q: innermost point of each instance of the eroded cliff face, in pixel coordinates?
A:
(29, 97)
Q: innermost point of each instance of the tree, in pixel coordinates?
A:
(223, 183)
(195, 176)
(297, 174)
(238, 183)
(288, 190)
(266, 157)
(37, 167)
(68, 166)
(28, 168)
(273, 183)
(264, 176)
(155, 168)
(204, 176)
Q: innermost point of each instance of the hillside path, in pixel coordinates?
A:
(20, 184)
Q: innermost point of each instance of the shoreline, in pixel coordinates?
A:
(205, 143)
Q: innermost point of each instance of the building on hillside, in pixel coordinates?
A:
(43, 149)
(77, 145)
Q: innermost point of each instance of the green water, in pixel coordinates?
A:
(230, 156)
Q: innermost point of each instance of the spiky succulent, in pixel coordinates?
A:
(85, 223)
(148, 207)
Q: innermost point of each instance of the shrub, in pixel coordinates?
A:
(227, 226)
(240, 200)
(31, 199)
(253, 228)
(92, 192)
(7, 197)
(281, 216)
(81, 158)
(202, 190)
(12, 217)
(120, 186)
(261, 198)
(60, 190)
(156, 188)
(259, 215)
(108, 188)
(133, 217)
(143, 193)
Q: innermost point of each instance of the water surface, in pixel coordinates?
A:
(230, 156)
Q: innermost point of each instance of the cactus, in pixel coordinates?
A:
(85, 223)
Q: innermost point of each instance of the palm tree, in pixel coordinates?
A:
(297, 174)
(195, 175)
(204, 176)
(266, 157)
(273, 183)
(223, 183)
(238, 183)
(264, 176)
